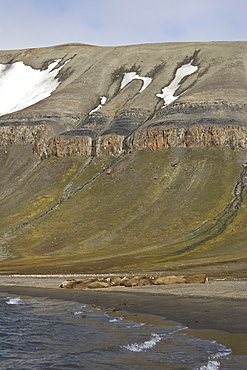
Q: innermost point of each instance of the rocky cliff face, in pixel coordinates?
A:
(104, 100)
(37, 135)
(197, 136)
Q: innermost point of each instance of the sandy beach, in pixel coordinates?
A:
(216, 305)
(216, 310)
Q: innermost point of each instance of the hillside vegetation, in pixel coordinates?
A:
(163, 210)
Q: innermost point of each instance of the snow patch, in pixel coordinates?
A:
(169, 91)
(102, 102)
(130, 76)
(22, 86)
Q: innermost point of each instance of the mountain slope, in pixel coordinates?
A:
(134, 162)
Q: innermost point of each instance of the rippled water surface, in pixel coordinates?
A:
(50, 334)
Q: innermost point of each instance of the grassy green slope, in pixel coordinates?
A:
(155, 211)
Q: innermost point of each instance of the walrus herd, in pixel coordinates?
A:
(106, 282)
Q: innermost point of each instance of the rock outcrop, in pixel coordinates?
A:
(61, 146)
(109, 100)
(153, 138)
(199, 136)
(37, 135)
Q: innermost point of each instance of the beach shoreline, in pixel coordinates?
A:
(215, 311)
(217, 305)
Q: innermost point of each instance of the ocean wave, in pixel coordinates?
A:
(78, 312)
(15, 300)
(135, 325)
(116, 319)
(214, 363)
(211, 365)
(148, 344)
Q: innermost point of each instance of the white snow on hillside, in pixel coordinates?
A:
(102, 102)
(169, 91)
(129, 76)
(22, 86)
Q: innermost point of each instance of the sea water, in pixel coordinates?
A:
(51, 334)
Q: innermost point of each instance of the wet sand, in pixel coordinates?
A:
(220, 305)
(216, 310)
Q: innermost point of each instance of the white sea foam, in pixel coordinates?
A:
(116, 319)
(102, 102)
(22, 86)
(80, 312)
(211, 365)
(140, 347)
(15, 300)
(137, 325)
(214, 363)
(169, 91)
(130, 76)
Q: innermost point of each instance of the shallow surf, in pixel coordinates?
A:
(45, 333)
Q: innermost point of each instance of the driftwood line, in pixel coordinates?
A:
(106, 282)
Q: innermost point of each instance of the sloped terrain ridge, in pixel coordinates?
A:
(124, 159)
